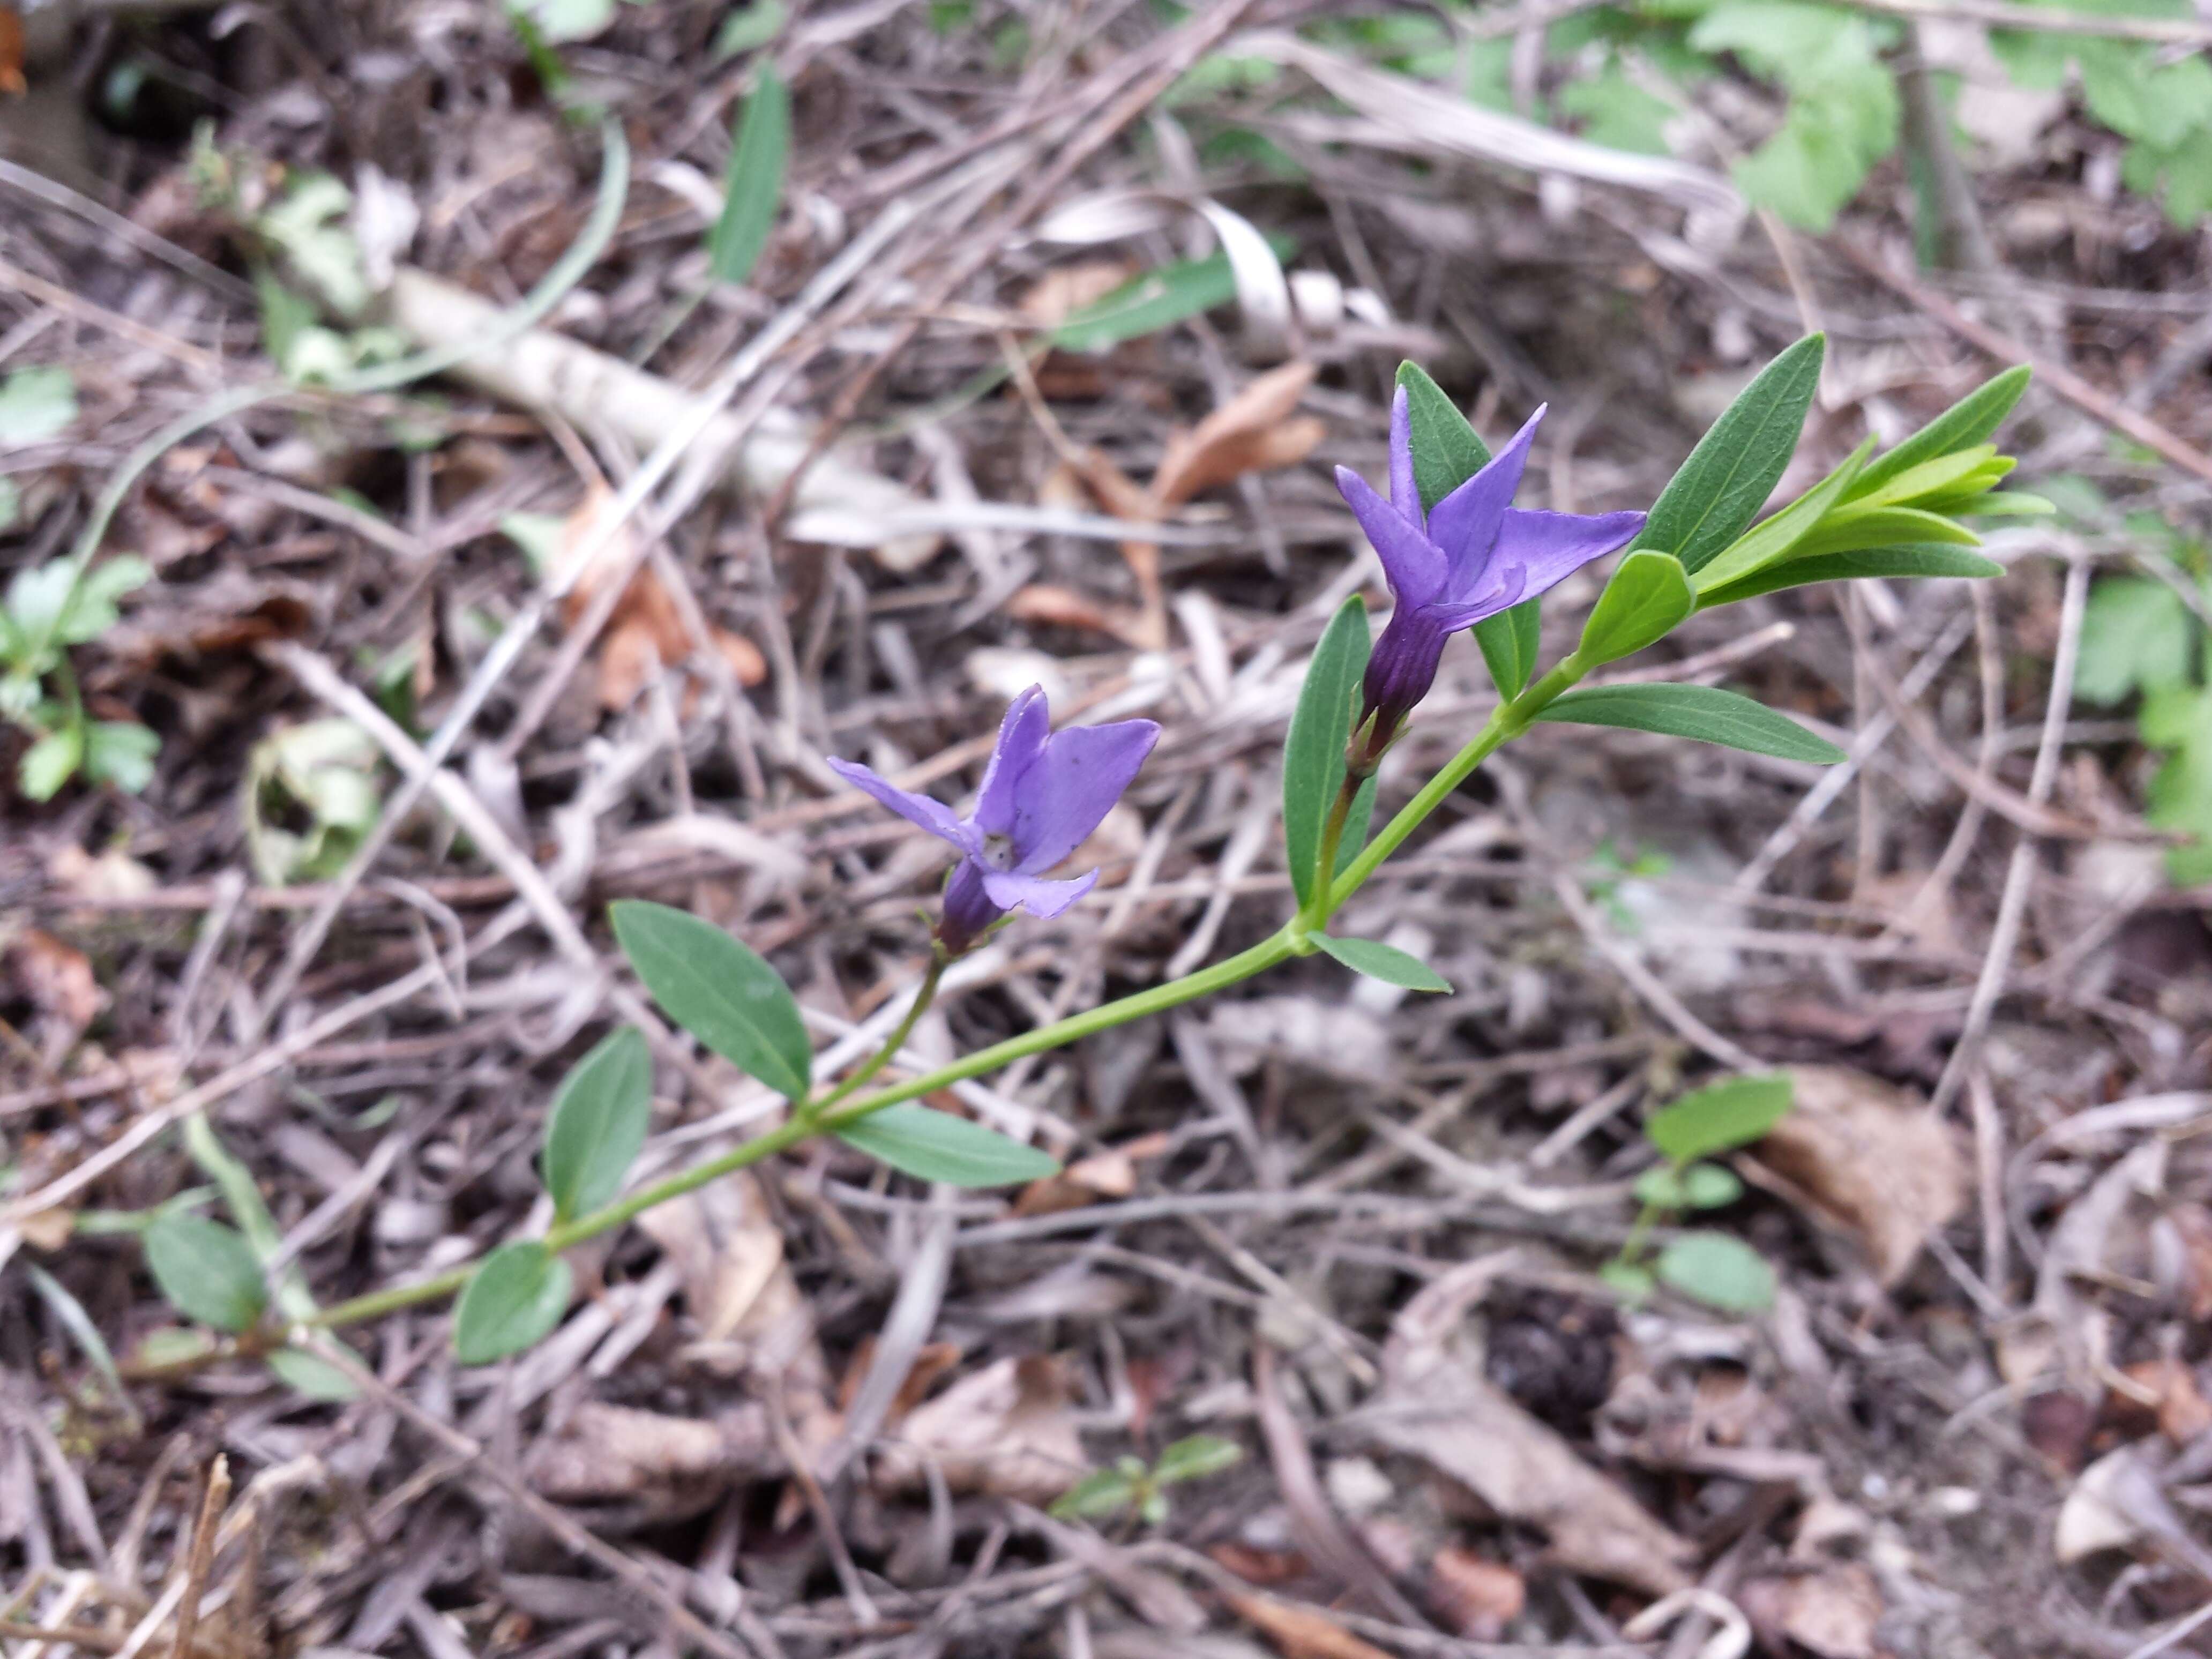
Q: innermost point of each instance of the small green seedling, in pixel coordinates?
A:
(1129, 1486)
(1716, 1269)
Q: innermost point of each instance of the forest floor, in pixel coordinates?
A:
(815, 1410)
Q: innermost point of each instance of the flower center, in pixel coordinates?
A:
(998, 854)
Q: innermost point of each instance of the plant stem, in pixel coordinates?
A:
(1316, 913)
(837, 1108)
(924, 995)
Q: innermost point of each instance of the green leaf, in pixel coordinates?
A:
(1632, 1283)
(2136, 635)
(1617, 112)
(1147, 303)
(598, 1123)
(11, 505)
(1710, 1186)
(1508, 641)
(206, 1270)
(1852, 530)
(1321, 726)
(1919, 559)
(1830, 138)
(1704, 712)
(1385, 962)
(746, 27)
(1733, 1112)
(1790, 530)
(933, 1145)
(1195, 1458)
(1447, 451)
(35, 405)
(312, 1375)
(1100, 1493)
(1718, 1270)
(78, 1323)
(760, 153)
(1356, 823)
(557, 20)
(1649, 594)
(121, 752)
(51, 763)
(510, 1303)
(1728, 478)
(723, 994)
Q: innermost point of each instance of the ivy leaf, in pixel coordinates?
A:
(1385, 962)
(1728, 478)
(510, 1303)
(598, 1123)
(760, 155)
(207, 1271)
(722, 992)
(1649, 594)
(1733, 1112)
(2136, 635)
(1719, 1270)
(933, 1145)
(1321, 726)
(1705, 712)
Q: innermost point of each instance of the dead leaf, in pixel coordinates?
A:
(1436, 1405)
(2193, 1222)
(602, 1454)
(1006, 1430)
(1253, 432)
(1301, 1631)
(1066, 290)
(1257, 1567)
(751, 1315)
(1053, 605)
(2095, 1516)
(1108, 1175)
(2169, 1389)
(646, 631)
(48, 1230)
(1475, 1596)
(931, 1362)
(1832, 1612)
(57, 978)
(11, 53)
(111, 876)
(1870, 1157)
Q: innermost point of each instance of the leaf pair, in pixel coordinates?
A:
(1716, 1269)
(728, 997)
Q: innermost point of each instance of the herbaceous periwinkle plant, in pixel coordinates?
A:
(1458, 556)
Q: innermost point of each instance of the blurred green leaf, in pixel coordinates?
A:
(934, 1145)
(747, 27)
(35, 405)
(1196, 1456)
(1719, 1117)
(598, 1123)
(206, 1271)
(1320, 729)
(2136, 635)
(759, 156)
(1385, 962)
(511, 1303)
(1719, 1270)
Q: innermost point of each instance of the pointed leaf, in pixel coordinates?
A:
(1719, 1117)
(1321, 726)
(1649, 594)
(206, 1270)
(1196, 1456)
(1718, 1270)
(1704, 712)
(722, 992)
(1508, 641)
(1447, 451)
(1735, 466)
(598, 1123)
(312, 1375)
(1969, 421)
(759, 154)
(933, 1145)
(510, 1303)
(1385, 962)
(1788, 530)
(1147, 303)
(1918, 559)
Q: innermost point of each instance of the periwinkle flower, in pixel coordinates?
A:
(1043, 793)
(1474, 554)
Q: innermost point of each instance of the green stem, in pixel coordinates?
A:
(1507, 722)
(923, 996)
(1315, 914)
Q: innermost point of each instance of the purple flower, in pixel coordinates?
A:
(1473, 557)
(1043, 795)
